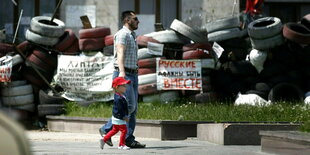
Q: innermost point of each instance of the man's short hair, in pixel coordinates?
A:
(126, 14)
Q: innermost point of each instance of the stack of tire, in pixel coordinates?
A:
(18, 96)
(173, 43)
(93, 39)
(45, 41)
(224, 29)
(228, 34)
(44, 34)
(202, 51)
(284, 75)
(199, 49)
(147, 88)
(297, 36)
(266, 33)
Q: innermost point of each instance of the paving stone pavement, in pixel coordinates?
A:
(54, 143)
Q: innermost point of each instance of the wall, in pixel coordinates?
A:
(198, 12)
(7, 18)
(102, 13)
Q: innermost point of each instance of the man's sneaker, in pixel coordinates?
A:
(101, 143)
(109, 141)
(135, 144)
(101, 133)
(124, 147)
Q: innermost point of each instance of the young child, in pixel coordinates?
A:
(119, 113)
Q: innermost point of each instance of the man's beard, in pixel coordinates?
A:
(133, 27)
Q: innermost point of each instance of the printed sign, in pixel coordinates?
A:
(217, 49)
(5, 68)
(178, 74)
(85, 78)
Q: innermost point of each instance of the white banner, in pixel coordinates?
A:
(5, 68)
(85, 78)
(178, 74)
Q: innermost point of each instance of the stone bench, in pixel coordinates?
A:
(158, 129)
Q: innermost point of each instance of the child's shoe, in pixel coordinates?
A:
(124, 147)
(101, 143)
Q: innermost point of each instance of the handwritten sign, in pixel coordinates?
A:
(85, 78)
(178, 74)
(5, 68)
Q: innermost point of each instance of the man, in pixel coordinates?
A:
(126, 65)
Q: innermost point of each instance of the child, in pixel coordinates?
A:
(119, 113)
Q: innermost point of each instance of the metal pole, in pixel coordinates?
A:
(57, 7)
(20, 16)
(233, 11)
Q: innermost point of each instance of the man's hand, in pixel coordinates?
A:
(126, 119)
(122, 74)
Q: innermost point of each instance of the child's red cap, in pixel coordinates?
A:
(119, 81)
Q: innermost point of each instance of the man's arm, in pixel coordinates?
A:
(120, 49)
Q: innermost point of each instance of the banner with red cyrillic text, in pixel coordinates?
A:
(6, 63)
(178, 74)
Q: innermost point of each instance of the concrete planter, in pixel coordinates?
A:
(285, 142)
(158, 129)
(238, 133)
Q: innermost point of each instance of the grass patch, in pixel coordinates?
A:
(201, 112)
(305, 127)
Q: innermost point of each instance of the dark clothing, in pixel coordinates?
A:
(120, 107)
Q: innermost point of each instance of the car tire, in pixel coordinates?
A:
(40, 39)
(40, 25)
(268, 43)
(100, 32)
(188, 32)
(147, 89)
(45, 98)
(168, 36)
(17, 100)
(225, 34)
(221, 24)
(286, 92)
(266, 27)
(17, 90)
(147, 79)
(66, 41)
(296, 32)
(50, 109)
(143, 41)
(89, 44)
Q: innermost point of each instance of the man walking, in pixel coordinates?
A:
(126, 65)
